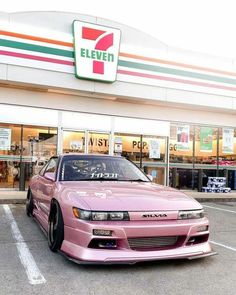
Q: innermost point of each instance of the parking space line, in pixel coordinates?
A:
(220, 209)
(224, 246)
(33, 273)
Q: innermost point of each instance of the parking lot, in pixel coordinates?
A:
(39, 271)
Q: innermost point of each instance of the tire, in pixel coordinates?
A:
(55, 228)
(29, 203)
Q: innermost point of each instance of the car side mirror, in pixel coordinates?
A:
(50, 176)
(150, 177)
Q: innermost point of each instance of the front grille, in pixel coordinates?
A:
(153, 243)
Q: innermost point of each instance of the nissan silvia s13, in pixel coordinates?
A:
(104, 209)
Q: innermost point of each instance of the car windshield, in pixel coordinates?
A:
(79, 168)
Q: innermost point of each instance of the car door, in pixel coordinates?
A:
(35, 184)
(46, 187)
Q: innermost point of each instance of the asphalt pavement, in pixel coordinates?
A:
(51, 273)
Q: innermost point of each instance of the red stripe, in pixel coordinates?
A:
(98, 67)
(105, 42)
(91, 34)
(156, 77)
(130, 73)
(30, 56)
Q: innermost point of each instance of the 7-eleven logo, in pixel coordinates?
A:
(96, 51)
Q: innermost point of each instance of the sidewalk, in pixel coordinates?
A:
(211, 197)
(12, 197)
(16, 197)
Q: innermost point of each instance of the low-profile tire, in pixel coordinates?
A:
(55, 228)
(29, 203)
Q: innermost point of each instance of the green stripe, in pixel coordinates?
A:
(176, 72)
(127, 64)
(36, 48)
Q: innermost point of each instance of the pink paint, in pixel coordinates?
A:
(153, 213)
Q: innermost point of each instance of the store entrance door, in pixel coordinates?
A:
(10, 155)
(73, 141)
(89, 142)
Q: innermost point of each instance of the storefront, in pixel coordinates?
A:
(210, 151)
(95, 86)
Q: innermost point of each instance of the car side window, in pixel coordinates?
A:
(41, 172)
(52, 166)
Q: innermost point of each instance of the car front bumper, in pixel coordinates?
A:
(96, 256)
(77, 238)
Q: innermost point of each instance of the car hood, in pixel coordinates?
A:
(125, 196)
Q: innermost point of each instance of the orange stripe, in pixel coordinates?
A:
(151, 59)
(172, 63)
(28, 37)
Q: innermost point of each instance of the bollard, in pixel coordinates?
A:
(22, 177)
(200, 174)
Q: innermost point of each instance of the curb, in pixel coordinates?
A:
(12, 201)
(202, 200)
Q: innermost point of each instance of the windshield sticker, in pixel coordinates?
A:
(104, 175)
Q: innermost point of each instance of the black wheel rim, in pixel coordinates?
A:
(28, 201)
(53, 228)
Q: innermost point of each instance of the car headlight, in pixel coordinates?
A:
(191, 214)
(100, 216)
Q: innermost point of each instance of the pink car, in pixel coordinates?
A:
(104, 209)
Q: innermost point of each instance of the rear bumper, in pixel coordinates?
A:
(82, 255)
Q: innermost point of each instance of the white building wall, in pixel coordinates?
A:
(28, 73)
(115, 108)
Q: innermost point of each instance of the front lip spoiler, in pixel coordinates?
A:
(83, 262)
(202, 255)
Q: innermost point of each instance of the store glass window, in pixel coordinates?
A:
(148, 152)
(154, 149)
(129, 146)
(10, 149)
(73, 141)
(98, 143)
(153, 157)
(181, 174)
(39, 145)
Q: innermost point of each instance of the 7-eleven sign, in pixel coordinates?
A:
(96, 51)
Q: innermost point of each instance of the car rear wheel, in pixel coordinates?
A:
(29, 203)
(55, 228)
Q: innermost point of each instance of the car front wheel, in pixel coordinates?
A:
(55, 228)
(29, 203)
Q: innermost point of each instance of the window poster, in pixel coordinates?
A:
(183, 137)
(154, 149)
(228, 141)
(76, 145)
(118, 145)
(5, 139)
(206, 137)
